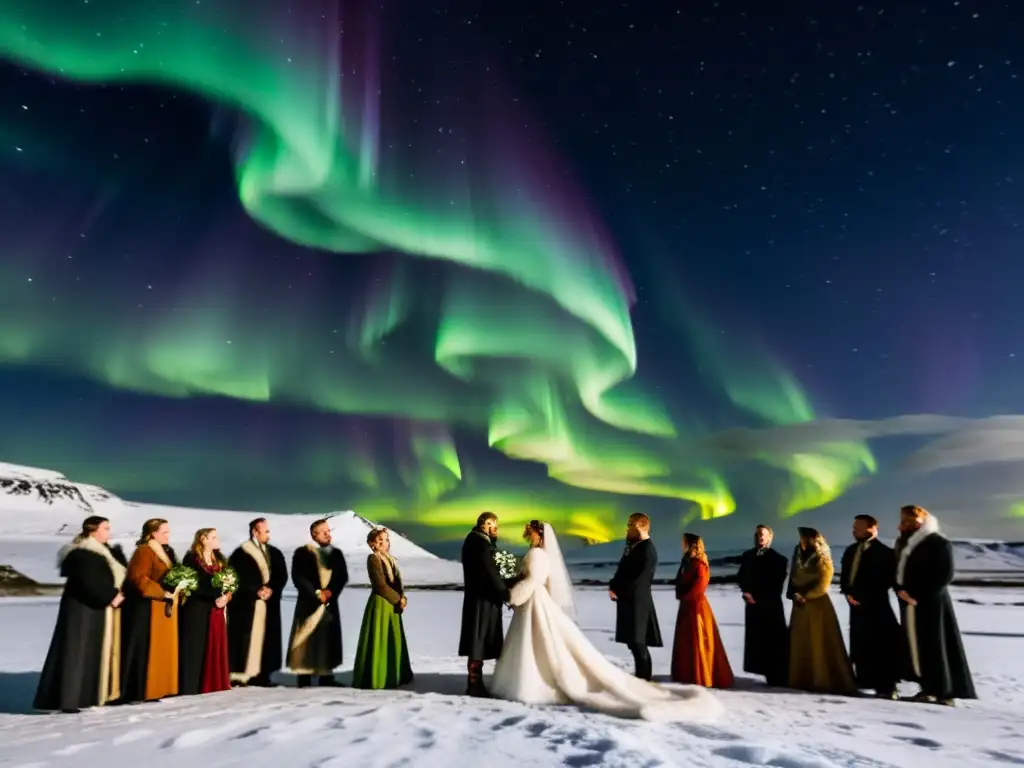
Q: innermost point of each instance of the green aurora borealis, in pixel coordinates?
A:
(500, 317)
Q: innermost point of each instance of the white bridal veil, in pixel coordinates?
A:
(559, 583)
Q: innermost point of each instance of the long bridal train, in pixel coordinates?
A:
(548, 660)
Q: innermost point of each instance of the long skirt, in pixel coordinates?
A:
(817, 654)
(216, 673)
(382, 657)
(698, 655)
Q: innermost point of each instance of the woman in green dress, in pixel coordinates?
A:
(382, 658)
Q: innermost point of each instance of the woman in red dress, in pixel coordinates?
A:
(202, 622)
(698, 656)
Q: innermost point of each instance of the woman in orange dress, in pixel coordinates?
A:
(150, 628)
(698, 656)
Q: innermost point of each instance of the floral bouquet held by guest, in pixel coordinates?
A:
(181, 580)
(226, 580)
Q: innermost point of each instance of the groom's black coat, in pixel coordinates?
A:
(636, 622)
(482, 634)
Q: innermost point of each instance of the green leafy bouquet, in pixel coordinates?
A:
(226, 580)
(508, 564)
(182, 580)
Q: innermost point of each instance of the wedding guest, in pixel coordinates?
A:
(82, 667)
(924, 572)
(817, 654)
(202, 625)
(382, 656)
(636, 622)
(149, 668)
(867, 579)
(254, 631)
(481, 635)
(319, 573)
(762, 580)
(698, 655)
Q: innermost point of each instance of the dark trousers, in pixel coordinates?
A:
(641, 661)
(303, 681)
(475, 670)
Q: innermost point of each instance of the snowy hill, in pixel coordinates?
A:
(41, 509)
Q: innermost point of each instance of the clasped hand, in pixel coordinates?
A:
(906, 598)
(264, 593)
(221, 601)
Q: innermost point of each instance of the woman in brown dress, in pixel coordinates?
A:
(818, 660)
(150, 665)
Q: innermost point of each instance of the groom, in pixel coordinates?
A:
(485, 593)
(636, 623)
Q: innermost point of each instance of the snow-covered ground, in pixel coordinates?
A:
(434, 725)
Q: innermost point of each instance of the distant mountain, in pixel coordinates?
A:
(973, 556)
(41, 509)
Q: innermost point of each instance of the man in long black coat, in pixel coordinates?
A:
(254, 628)
(762, 580)
(482, 635)
(868, 576)
(319, 573)
(924, 571)
(636, 622)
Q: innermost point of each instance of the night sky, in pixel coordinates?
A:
(724, 262)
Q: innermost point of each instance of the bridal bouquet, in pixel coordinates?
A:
(181, 579)
(508, 564)
(226, 580)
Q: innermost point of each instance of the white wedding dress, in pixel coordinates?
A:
(548, 660)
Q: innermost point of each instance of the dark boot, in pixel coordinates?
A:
(642, 662)
(328, 681)
(475, 680)
(303, 681)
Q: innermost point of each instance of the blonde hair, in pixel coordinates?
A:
(197, 545)
(695, 547)
(822, 548)
(150, 527)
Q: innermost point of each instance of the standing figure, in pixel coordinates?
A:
(762, 580)
(867, 578)
(83, 666)
(924, 572)
(698, 655)
(319, 574)
(817, 654)
(202, 624)
(254, 627)
(382, 656)
(149, 668)
(485, 593)
(636, 621)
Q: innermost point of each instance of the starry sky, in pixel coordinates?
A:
(724, 262)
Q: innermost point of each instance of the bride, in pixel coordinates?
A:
(547, 659)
